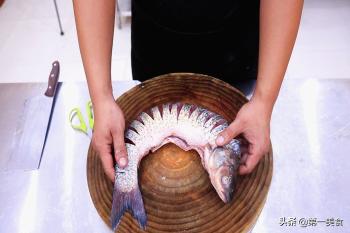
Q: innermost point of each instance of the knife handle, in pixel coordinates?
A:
(53, 79)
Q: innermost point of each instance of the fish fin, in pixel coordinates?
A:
(128, 201)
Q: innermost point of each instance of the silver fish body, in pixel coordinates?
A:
(189, 127)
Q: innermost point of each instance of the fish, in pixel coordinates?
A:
(190, 127)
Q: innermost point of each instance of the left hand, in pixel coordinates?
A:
(253, 122)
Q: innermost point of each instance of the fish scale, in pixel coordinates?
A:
(166, 109)
(133, 136)
(182, 121)
(218, 129)
(156, 114)
(126, 177)
(173, 113)
(138, 126)
(195, 114)
(170, 116)
(184, 113)
(211, 122)
(189, 127)
(146, 119)
(202, 118)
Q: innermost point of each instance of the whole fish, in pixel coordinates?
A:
(189, 127)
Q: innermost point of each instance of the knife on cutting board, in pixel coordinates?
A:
(33, 126)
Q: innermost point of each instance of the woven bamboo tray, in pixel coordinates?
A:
(177, 192)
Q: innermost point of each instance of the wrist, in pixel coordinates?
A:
(101, 93)
(265, 96)
(102, 100)
(262, 104)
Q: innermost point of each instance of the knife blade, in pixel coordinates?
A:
(33, 126)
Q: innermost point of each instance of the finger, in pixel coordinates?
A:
(251, 161)
(108, 167)
(244, 158)
(229, 133)
(120, 154)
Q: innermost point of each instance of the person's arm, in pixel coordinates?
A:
(95, 27)
(279, 23)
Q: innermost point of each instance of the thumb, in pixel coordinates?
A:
(120, 153)
(229, 133)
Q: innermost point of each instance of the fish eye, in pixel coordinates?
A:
(226, 180)
(232, 169)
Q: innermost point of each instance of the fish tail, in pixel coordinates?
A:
(128, 201)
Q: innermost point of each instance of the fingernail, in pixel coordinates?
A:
(220, 140)
(122, 162)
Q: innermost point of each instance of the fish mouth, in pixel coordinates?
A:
(226, 197)
(226, 193)
(222, 197)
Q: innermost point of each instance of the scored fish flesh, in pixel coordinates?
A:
(187, 126)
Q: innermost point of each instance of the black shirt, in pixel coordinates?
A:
(218, 38)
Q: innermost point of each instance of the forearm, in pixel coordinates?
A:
(95, 26)
(279, 23)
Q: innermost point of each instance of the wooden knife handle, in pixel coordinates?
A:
(53, 79)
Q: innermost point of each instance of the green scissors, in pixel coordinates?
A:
(81, 125)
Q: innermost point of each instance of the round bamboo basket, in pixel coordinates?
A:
(176, 190)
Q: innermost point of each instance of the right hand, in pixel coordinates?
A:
(108, 136)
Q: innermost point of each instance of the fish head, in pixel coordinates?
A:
(223, 169)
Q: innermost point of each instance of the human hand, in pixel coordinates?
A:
(108, 136)
(253, 123)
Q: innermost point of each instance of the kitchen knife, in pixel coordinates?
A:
(33, 126)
